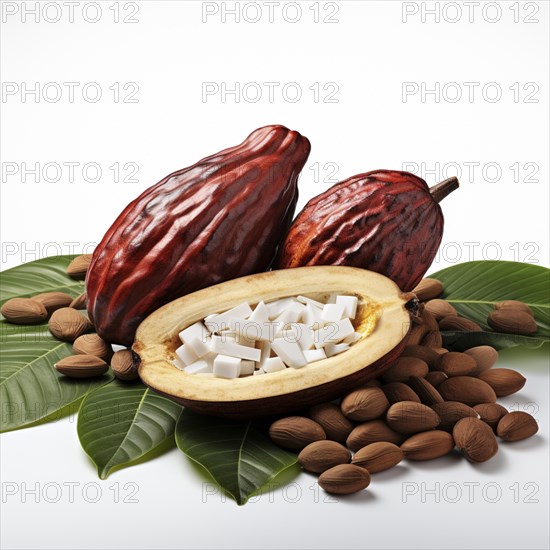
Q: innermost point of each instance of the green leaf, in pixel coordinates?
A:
(461, 341)
(122, 423)
(474, 287)
(31, 390)
(46, 275)
(238, 455)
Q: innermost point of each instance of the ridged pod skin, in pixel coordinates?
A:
(219, 219)
(385, 221)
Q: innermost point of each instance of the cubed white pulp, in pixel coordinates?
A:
(227, 367)
(274, 336)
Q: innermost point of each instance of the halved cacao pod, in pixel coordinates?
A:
(385, 221)
(382, 317)
(216, 220)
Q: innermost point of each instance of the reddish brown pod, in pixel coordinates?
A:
(385, 221)
(219, 219)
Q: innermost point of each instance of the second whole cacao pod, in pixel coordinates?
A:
(385, 221)
(219, 219)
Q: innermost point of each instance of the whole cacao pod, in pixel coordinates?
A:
(219, 219)
(386, 221)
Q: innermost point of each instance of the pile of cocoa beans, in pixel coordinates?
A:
(428, 403)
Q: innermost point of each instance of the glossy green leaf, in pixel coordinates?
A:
(238, 455)
(474, 287)
(31, 390)
(122, 423)
(461, 341)
(46, 275)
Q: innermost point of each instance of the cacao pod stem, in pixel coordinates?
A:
(413, 304)
(443, 188)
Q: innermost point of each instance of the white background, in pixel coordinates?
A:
(370, 54)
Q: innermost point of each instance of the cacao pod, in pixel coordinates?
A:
(382, 318)
(219, 219)
(385, 221)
